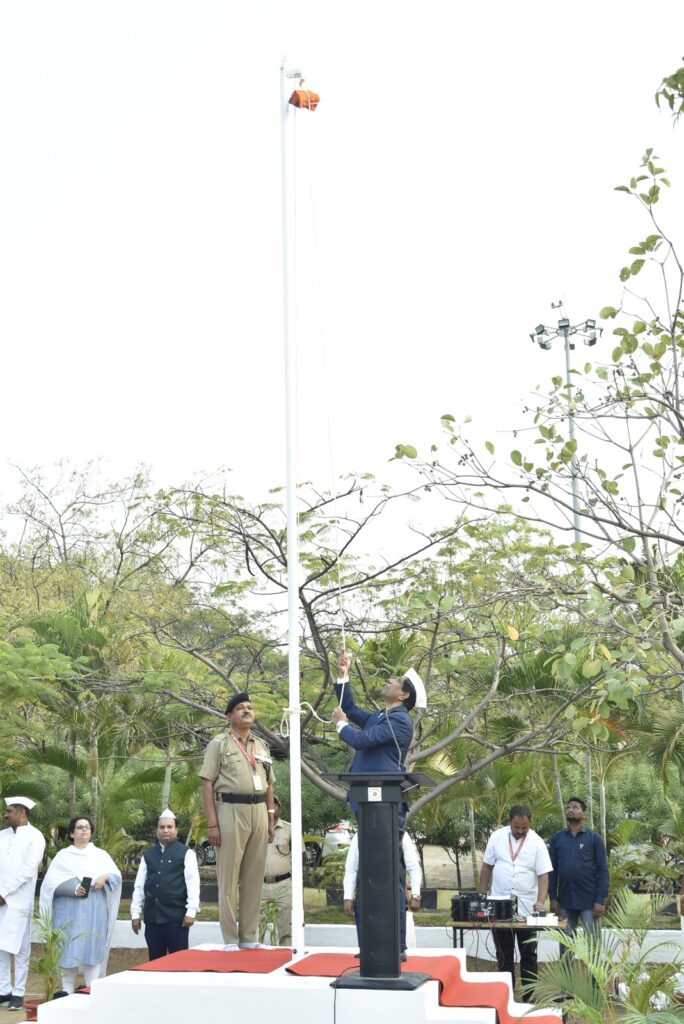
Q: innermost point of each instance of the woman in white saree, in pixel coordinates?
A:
(86, 911)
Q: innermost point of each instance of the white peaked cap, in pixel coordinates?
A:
(419, 686)
(168, 813)
(25, 801)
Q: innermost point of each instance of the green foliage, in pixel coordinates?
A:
(671, 90)
(52, 940)
(611, 977)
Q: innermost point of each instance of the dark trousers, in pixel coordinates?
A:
(504, 940)
(166, 938)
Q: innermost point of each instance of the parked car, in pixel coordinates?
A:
(336, 838)
(205, 852)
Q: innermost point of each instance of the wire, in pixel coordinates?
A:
(334, 985)
(327, 391)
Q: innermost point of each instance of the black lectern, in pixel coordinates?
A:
(379, 797)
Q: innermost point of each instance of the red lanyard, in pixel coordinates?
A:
(510, 846)
(250, 760)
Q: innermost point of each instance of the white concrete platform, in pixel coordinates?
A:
(136, 997)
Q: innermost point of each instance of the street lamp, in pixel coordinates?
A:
(544, 337)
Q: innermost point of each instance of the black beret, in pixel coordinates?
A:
(234, 701)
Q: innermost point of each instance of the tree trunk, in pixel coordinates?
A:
(72, 780)
(458, 870)
(94, 761)
(587, 786)
(602, 805)
(166, 788)
(471, 833)
(557, 785)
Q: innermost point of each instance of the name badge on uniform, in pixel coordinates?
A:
(257, 782)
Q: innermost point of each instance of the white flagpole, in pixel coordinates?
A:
(290, 341)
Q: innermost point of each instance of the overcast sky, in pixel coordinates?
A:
(456, 179)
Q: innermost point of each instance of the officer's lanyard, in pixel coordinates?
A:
(251, 760)
(520, 846)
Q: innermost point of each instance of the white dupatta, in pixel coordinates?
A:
(90, 862)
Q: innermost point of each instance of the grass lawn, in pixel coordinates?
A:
(315, 912)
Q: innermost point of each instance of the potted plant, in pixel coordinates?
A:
(268, 922)
(611, 977)
(52, 940)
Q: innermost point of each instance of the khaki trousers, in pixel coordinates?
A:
(280, 893)
(240, 861)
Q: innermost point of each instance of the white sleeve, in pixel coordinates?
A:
(412, 862)
(351, 870)
(542, 864)
(192, 884)
(138, 897)
(489, 856)
(32, 855)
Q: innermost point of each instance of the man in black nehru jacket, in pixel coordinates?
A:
(168, 885)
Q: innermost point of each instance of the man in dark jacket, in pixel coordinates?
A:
(168, 884)
(383, 738)
(578, 884)
(381, 741)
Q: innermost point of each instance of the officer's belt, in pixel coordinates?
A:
(241, 798)
(277, 878)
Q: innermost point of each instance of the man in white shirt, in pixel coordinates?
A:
(413, 872)
(168, 884)
(517, 863)
(21, 851)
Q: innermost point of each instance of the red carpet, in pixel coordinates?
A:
(453, 990)
(251, 961)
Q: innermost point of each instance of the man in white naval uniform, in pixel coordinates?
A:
(21, 852)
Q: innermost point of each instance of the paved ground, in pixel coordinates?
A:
(440, 870)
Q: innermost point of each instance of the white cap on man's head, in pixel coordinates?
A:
(418, 685)
(168, 813)
(25, 801)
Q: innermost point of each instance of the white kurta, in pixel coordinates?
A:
(21, 852)
(411, 862)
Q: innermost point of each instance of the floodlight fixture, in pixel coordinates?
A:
(545, 336)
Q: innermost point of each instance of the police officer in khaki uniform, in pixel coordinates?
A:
(237, 789)
(278, 875)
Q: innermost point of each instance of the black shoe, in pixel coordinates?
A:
(5, 999)
(404, 956)
(16, 1003)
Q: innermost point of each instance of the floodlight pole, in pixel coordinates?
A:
(571, 434)
(544, 336)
